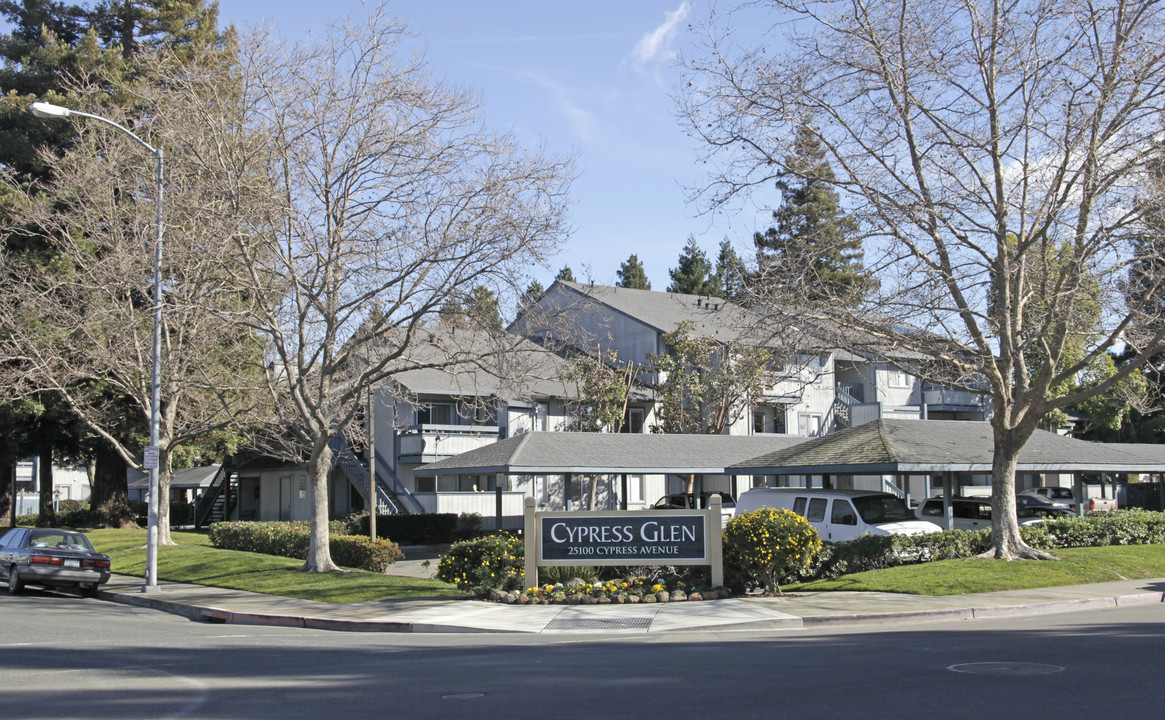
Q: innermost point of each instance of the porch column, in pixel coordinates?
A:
(1078, 494)
(826, 482)
(948, 490)
(498, 501)
(567, 481)
(623, 493)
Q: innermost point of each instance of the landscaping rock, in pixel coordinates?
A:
(648, 599)
(695, 597)
(603, 600)
(678, 596)
(662, 596)
(633, 599)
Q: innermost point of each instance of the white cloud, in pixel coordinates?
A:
(656, 46)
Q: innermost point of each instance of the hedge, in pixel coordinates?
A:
(873, 552)
(292, 539)
(408, 529)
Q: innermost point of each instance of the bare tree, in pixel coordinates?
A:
(77, 320)
(996, 156)
(395, 199)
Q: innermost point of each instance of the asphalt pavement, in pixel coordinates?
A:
(743, 614)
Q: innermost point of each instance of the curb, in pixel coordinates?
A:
(219, 615)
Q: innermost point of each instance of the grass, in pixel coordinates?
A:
(1076, 566)
(193, 560)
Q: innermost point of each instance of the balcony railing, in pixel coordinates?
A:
(428, 443)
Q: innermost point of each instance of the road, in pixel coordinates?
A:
(67, 657)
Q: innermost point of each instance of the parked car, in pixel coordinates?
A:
(840, 515)
(1063, 496)
(690, 501)
(51, 558)
(975, 513)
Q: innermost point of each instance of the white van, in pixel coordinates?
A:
(840, 515)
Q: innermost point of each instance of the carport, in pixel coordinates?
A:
(571, 455)
(942, 448)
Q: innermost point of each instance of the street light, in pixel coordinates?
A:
(150, 458)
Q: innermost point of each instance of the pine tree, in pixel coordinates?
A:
(565, 274)
(813, 248)
(531, 294)
(632, 275)
(730, 272)
(483, 310)
(694, 275)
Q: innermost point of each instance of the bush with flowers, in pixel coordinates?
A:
(632, 590)
(492, 562)
(763, 547)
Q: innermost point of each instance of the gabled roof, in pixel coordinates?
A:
(930, 446)
(481, 365)
(608, 453)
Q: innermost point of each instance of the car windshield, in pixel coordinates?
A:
(59, 539)
(881, 508)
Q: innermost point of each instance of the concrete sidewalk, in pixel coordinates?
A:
(806, 610)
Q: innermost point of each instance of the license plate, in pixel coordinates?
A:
(73, 563)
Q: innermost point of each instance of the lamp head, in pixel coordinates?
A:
(48, 110)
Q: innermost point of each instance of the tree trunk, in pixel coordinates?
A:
(165, 476)
(48, 516)
(1005, 539)
(319, 555)
(7, 501)
(110, 499)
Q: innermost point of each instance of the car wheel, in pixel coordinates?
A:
(15, 585)
(89, 591)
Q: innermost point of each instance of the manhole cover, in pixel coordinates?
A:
(1005, 668)
(599, 624)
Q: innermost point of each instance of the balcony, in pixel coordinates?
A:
(953, 399)
(430, 443)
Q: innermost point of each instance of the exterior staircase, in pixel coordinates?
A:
(392, 496)
(219, 499)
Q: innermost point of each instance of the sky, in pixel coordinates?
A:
(594, 79)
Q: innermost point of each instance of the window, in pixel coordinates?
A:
(426, 484)
(816, 510)
(799, 506)
(843, 513)
(809, 424)
(633, 421)
(435, 414)
(758, 422)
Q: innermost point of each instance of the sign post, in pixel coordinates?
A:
(651, 537)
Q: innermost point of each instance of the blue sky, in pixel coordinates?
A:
(592, 78)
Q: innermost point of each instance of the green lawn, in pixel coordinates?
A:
(1076, 566)
(193, 560)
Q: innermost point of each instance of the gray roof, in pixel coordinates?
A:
(928, 446)
(198, 477)
(711, 317)
(540, 453)
(506, 366)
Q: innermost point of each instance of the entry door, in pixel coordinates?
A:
(286, 494)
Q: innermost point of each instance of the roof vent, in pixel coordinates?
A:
(716, 306)
(699, 301)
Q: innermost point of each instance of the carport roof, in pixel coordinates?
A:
(543, 453)
(932, 446)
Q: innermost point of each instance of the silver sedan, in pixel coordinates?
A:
(51, 558)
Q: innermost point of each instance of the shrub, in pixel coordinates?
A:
(553, 574)
(69, 505)
(292, 539)
(361, 552)
(768, 544)
(495, 561)
(419, 529)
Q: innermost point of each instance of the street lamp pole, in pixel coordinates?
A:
(150, 459)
